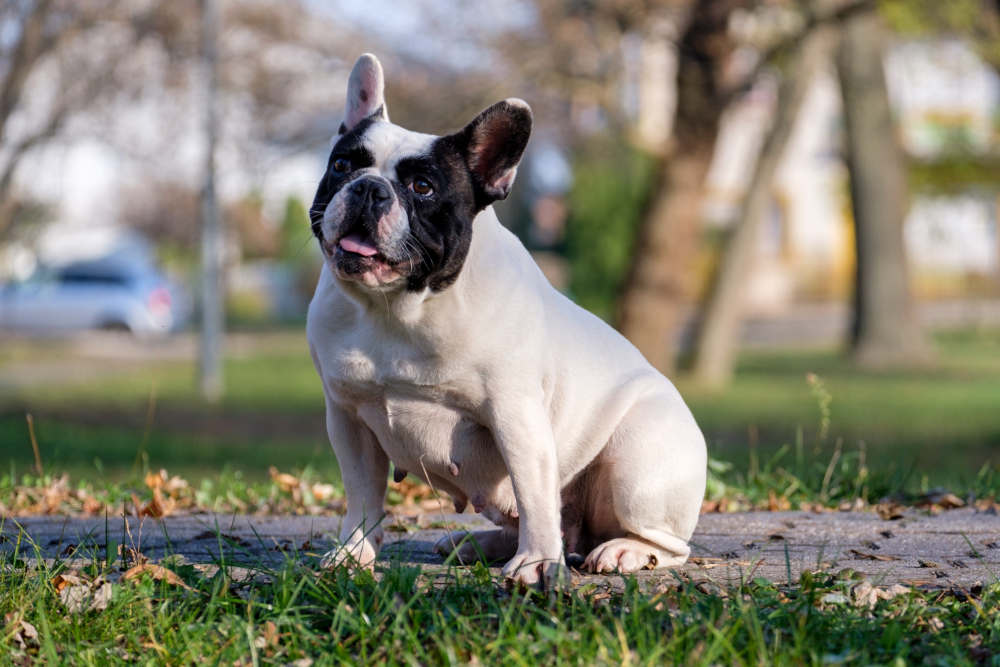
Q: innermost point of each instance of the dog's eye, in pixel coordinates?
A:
(341, 165)
(421, 187)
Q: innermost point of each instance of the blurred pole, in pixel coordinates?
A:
(211, 238)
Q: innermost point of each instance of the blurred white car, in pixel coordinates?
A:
(122, 291)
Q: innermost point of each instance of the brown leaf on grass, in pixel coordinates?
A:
(889, 511)
(710, 563)
(941, 501)
(131, 555)
(987, 506)
(174, 486)
(156, 508)
(855, 505)
(777, 504)
(815, 508)
(861, 555)
(865, 594)
(919, 583)
(91, 505)
(79, 595)
(322, 492)
(55, 494)
(413, 491)
(23, 633)
(714, 506)
(285, 482)
(157, 572)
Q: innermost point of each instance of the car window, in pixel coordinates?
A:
(71, 276)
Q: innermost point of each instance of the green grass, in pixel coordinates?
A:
(921, 428)
(942, 421)
(118, 452)
(293, 612)
(937, 425)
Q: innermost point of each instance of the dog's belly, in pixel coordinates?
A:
(446, 448)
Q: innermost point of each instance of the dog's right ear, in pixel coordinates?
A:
(365, 93)
(494, 143)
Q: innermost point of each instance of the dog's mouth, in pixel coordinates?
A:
(357, 246)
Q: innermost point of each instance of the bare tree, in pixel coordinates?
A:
(65, 59)
(659, 282)
(884, 329)
(717, 338)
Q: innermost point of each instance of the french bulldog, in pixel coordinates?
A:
(443, 350)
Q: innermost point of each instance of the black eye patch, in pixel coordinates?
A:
(358, 157)
(419, 166)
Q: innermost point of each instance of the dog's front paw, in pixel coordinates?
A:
(359, 556)
(529, 568)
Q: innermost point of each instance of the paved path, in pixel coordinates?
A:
(955, 548)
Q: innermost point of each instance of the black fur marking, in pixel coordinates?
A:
(495, 141)
(463, 170)
(440, 225)
(349, 145)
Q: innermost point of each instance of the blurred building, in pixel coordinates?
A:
(947, 101)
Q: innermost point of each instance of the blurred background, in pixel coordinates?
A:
(790, 207)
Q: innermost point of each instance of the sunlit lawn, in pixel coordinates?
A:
(943, 422)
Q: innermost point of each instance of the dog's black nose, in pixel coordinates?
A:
(372, 193)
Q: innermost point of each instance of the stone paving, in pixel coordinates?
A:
(955, 548)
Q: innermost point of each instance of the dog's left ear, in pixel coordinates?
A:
(494, 143)
(365, 93)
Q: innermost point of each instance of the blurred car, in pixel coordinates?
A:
(124, 292)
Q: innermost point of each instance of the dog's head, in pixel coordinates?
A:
(394, 207)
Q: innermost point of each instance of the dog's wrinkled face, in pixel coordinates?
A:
(394, 207)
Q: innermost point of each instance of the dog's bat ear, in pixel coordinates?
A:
(365, 93)
(495, 141)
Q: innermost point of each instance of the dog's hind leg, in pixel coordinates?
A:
(647, 488)
(499, 544)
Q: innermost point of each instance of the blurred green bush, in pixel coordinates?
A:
(611, 182)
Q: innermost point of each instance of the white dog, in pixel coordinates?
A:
(444, 350)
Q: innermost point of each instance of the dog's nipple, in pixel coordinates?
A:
(453, 469)
(478, 502)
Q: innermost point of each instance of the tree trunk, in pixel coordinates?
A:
(659, 283)
(884, 329)
(717, 339)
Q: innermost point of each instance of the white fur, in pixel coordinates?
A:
(537, 404)
(391, 143)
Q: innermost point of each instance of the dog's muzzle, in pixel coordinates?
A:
(371, 197)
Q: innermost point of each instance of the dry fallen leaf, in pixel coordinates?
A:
(941, 501)
(776, 504)
(867, 556)
(889, 511)
(24, 633)
(158, 506)
(322, 492)
(987, 505)
(285, 481)
(79, 595)
(866, 595)
(714, 506)
(157, 572)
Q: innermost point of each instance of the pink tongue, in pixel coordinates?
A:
(354, 243)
